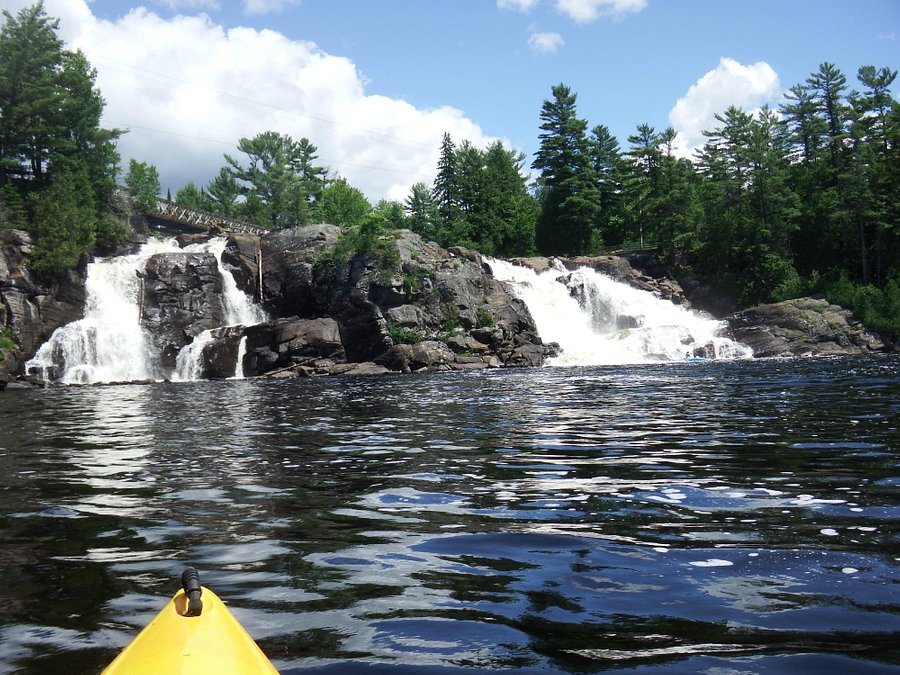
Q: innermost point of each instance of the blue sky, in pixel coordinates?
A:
(374, 83)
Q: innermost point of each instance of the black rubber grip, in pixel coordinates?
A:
(190, 582)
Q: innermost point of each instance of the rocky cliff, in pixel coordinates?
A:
(425, 308)
(30, 309)
(182, 297)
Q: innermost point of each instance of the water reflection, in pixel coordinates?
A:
(549, 520)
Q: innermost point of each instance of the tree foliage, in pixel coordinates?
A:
(342, 204)
(479, 199)
(142, 181)
(57, 165)
(280, 181)
(569, 185)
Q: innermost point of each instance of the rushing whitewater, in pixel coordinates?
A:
(110, 345)
(239, 310)
(597, 320)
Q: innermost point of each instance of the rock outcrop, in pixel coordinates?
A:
(181, 297)
(32, 309)
(414, 306)
(403, 305)
(423, 308)
(802, 327)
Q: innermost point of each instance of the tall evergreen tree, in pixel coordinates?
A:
(31, 57)
(422, 212)
(609, 165)
(828, 86)
(446, 185)
(142, 181)
(502, 214)
(65, 219)
(570, 198)
(750, 209)
(642, 184)
(193, 197)
(223, 192)
(868, 188)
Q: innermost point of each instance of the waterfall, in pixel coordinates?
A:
(239, 307)
(189, 362)
(240, 310)
(108, 344)
(597, 320)
(239, 363)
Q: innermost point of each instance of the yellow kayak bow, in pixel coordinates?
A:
(192, 635)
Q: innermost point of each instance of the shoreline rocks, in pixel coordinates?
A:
(803, 327)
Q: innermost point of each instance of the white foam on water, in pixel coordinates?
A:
(597, 320)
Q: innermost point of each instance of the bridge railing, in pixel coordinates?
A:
(185, 215)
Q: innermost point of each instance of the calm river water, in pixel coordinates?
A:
(696, 517)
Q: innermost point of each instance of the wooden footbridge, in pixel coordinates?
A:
(183, 216)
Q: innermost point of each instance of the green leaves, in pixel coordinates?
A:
(280, 181)
(479, 200)
(65, 221)
(57, 165)
(142, 181)
(341, 204)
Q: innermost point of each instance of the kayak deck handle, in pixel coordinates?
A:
(190, 582)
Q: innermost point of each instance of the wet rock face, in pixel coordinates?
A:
(434, 309)
(181, 297)
(32, 308)
(802, 327)
(291, 342)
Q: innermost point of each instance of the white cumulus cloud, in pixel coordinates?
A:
(518, 5)
(267, 6)
(545, 43)
(179, 5)
(728, 84)
(586, 11)
(188, 89)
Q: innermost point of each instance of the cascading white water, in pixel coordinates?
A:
(240, 310)
(108, 344)
(239, 363)
(239, 307)
(597, 320)
(189, 362)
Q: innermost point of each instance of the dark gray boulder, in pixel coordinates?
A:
(181, 297)
(290, 342)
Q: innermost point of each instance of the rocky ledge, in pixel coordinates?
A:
(803, 327)
(421, 308)
(427, 308)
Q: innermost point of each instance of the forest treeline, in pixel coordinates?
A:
(778, 203)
